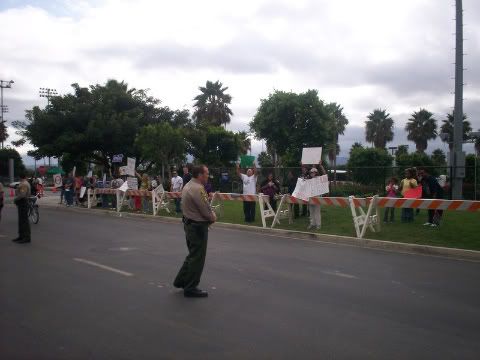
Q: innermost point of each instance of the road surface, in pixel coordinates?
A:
(94, 286)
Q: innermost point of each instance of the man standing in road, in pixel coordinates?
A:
(197, 216)
(22, 195)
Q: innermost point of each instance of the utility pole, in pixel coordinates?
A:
(457, 157)
(47, 93)
(4, 85)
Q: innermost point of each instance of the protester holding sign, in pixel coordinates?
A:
(406, 185)
(315, 216)
(249, 181)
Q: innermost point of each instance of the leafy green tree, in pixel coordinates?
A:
(421, 127)
(414, 159)
(3, 133)
(477, 145)
(368, 166)
(288, 122)
(93, 124)
(379, 128)
(439, 158)
(356, 145)
(212, 105)
(401, 150)
(265, 160)
(162, 144)
(447, 127)
(215, 146)
(9, 153)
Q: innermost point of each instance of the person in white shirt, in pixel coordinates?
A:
(315, 215)
(177, 186)
(249, 181)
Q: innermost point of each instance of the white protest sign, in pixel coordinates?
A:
(319, 185)
(306, 189)
(82, 191)
(57, 180)
(311, 156)
(74, 171)
(302, 190)
(90, 173)
(132, 183)
(122, 170)
(131, 166)
(124, 187)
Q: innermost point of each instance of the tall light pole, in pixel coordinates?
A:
(4, 85)
(47, 93)
(457, 157)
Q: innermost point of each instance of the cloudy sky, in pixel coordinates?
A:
(364, 54)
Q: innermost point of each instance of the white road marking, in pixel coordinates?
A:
(340, 274)
(104, 267)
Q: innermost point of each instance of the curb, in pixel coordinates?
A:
(428, 250)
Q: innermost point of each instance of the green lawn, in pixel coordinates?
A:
(458, 229)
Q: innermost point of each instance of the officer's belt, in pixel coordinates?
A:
(187, 221)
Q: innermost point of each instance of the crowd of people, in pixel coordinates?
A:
(413, 179)
(71, 191)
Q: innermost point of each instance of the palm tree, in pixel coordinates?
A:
(447, 127)
(356, 145)
(438, 157)
(379, 128)
(212, 105)
(421, 127)
(339, 123)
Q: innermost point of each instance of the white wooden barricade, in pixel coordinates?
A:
(365, 220)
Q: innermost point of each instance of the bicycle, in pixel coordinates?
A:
(33, 213)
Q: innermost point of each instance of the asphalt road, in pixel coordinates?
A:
(93, 286)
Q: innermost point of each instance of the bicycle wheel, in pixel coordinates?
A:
(34, 214)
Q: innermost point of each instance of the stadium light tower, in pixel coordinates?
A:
(47, 93)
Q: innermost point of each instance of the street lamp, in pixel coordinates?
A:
(47, 93)
(4, 85)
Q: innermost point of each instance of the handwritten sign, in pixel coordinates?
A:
(57, 180)
(132, 183)
(131, 166)
(308, 188)
(311, 156)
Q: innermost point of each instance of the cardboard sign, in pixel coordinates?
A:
(319, 185)
(132, 183)
(311, 156)
(246, 161)
(415, 193)
(131, 166)
(306, 189)
(57, 180)
(117, 158)
(82, 191)
(124, 187)
(302, 190)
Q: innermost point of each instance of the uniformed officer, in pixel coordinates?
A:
(197, 216)
(22, 195)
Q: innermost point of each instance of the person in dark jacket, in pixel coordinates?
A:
(431, 189)
(271, 187)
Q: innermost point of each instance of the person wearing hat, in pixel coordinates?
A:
(22, 196)
(315, 216)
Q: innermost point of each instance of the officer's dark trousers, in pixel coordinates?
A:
(191, 271)
(23, 224)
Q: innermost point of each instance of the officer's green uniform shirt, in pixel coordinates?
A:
(23, 191)
(195, 205)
